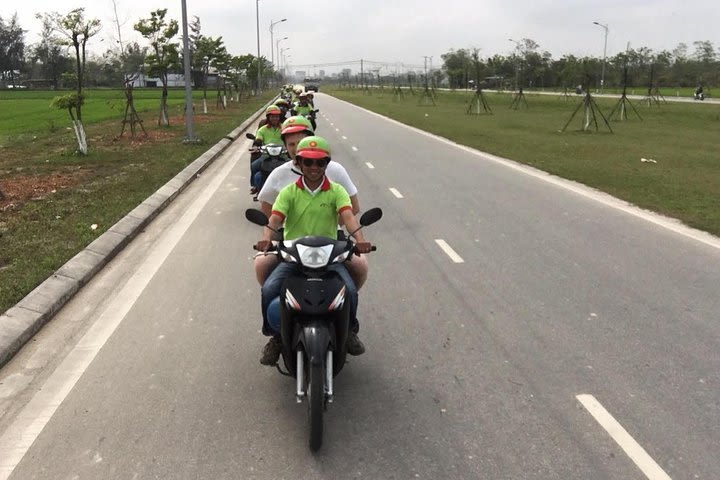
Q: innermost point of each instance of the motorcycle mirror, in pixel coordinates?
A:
(371, 216)
(257, 217)
(316, 110)
(250, 136)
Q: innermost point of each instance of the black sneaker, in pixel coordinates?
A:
(354, 345)
(271, 352)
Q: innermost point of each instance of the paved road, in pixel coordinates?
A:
(474, 365)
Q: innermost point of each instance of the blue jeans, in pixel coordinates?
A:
(273, 284)
(255, 175)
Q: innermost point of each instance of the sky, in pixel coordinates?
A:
(335, 31)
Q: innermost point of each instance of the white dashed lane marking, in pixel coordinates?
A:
(449, 251)
(633, 449)
(344, 137)
(396, 193)
(370, 165)
(354, 149)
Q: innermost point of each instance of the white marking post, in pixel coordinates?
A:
(633, 449)
(449, 251)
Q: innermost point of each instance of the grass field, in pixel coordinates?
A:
(684, 139)
(29, 111)
(53, 196)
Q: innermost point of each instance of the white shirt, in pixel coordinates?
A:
(283, 176)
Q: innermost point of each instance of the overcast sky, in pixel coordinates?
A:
(327, 31)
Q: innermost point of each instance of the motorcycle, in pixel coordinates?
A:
(271, 155)
(699, 95)
(314, 316)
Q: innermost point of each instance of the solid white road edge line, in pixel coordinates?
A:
(370, 165)
(633, 449)
(668, 223)
(449, 251)
(396, 192)
(21, 434)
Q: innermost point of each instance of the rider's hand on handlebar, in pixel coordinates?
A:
(263, 245)
(362, 247)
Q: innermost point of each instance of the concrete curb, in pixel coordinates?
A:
(19, 323)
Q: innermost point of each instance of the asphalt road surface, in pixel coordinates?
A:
(517, 327)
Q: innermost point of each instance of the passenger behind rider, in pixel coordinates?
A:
(310, 98)
(303, 208)
(265, 135)
(294, 129)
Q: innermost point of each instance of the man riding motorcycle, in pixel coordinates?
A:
(302, 107)
(310, 206)
(270, 131)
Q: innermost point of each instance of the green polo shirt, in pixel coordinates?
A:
(302, 109)
(308, 214)
(269, 135)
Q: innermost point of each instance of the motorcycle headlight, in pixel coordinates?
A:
(314, 257)
(274, 150)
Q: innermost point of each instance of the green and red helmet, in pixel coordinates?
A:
(296, 124)
(273, 110)
(313, 147)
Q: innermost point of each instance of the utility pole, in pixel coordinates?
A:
(362, 77)
(257, 22)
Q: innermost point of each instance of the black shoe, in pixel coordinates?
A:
(271, 352)
(354, 345)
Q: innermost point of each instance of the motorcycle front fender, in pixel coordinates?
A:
(315, 338)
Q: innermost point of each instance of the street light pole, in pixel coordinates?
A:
(277, 49)
(517, 63)
(189, 135)
(272, 52)
(257, 22)
(602, 76)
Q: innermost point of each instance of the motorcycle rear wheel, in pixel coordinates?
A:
(316, 403)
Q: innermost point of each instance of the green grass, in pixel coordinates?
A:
(38, 235)
(29, 111)
(684, 139)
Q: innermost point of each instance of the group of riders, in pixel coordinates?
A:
(307, 194)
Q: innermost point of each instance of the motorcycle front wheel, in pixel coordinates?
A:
(316, 403)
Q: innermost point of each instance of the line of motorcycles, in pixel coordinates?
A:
(314, 315)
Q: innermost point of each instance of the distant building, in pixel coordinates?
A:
(346, 73)
(322, 74)
(174, 80)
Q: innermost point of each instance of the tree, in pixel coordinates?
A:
(76, 30)
(207, 52)
(49, 52)
(704, 51)
(165, 55)
(12, 49)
